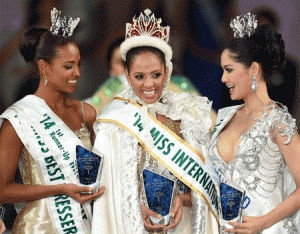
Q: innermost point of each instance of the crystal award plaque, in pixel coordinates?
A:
(231, 202)
(159, 192)
(89, 168)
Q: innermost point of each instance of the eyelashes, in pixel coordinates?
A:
(68, 67)
(155, 76)
(139, 77)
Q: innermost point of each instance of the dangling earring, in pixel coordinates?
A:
(129, 93)
(46, 80)
(164, 93)
(254, 84)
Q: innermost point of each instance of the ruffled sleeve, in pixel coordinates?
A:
(194, 113)
(284, 124)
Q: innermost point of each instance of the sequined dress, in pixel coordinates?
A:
(34, 217)
(258, 165)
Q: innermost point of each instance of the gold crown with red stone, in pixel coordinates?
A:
(146, 31)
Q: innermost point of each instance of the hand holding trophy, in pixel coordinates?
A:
(231, 202)
(89, 168)
(159, 191)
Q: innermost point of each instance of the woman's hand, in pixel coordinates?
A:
(74, 191)
(176, 213)
(146, 212)
(250, 225)
(2, 227)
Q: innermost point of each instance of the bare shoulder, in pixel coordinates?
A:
(90, 113)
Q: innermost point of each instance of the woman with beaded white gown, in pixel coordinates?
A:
(127, 151)
(255, 145)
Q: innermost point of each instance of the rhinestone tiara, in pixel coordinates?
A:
(245, 25)
(64, 26)
(146, 30)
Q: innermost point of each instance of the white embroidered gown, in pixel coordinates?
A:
(258, 165)
(118, 210)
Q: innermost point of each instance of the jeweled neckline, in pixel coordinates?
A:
(242, 137)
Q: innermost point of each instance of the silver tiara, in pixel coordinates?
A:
(64, 25)
(244, 25)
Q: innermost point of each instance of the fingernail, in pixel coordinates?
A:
(173, 215)
(159, 216)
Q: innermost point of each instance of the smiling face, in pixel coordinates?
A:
(147, 76)
(64, 69)
(236, 76)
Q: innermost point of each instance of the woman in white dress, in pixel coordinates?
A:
(255, 145)
(40, 133)
(127, 146)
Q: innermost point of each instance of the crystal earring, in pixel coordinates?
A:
(164, 93)
(129, 93)
(254, 84)
(46, 80)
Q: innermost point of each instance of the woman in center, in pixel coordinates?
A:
(126, 137)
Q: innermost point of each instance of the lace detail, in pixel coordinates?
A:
(290, 227)
(132, 157)
(131, 208)
(194, 113)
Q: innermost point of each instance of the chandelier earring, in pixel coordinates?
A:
(164, 93)
(46, 80)
(129, 93)
(254, 84)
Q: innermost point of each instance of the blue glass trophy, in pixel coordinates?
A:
(159, 191)
(89, 168)
(231, 202)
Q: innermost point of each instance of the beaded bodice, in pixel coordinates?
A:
(258, 164)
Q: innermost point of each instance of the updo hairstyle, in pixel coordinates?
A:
(265, 47)
(40, 44)
(134, 52)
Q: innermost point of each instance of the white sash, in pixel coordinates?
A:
(185, 162)
(52, 145)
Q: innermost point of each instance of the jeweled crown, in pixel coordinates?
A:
(64, 26)
(147, 25)
(244, 25)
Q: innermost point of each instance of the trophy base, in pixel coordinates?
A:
(87, 193)
(165, 220)
(224, 225)
(94, 186)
